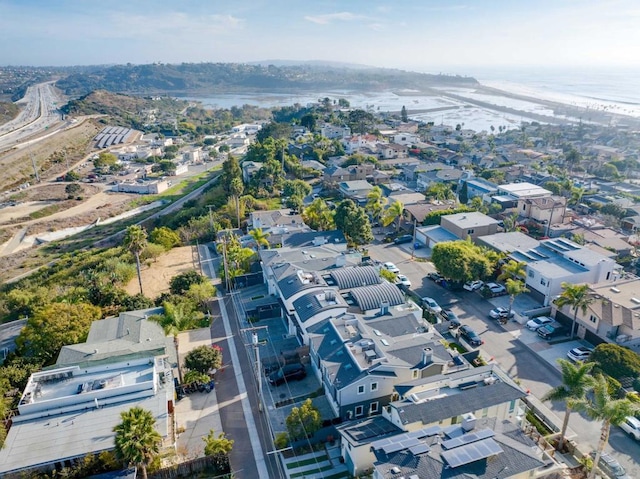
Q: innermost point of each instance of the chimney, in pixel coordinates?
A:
(384, 308)
(427, 356)
(341, 260)
(468, 422)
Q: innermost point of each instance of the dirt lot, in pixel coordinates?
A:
(156, 276)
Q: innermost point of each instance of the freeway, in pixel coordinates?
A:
(521, 362)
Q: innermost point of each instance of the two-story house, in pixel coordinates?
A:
(457, 226)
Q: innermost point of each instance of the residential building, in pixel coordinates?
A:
(249, 169)
(335, 132)
(355, 190)
(335, 174)
(389, 151)
(548, 210)
(406, 139)
(445, 174)
(151, 187)
(273, 219)
(482, 188)
(471, 224)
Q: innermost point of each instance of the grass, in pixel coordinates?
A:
(46, 211)
(306, 462)
(313, 471)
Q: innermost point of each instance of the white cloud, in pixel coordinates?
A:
(331, 17)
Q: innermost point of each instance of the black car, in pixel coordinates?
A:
(451, 318)
(403, 239)
(551, 330)
(470, 336)
(288, 372)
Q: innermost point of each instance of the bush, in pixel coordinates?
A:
(181, 283)
(616, 361)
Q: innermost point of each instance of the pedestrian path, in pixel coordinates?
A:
(321, 464)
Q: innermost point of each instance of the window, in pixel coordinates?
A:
(608, 276)
(361, 389)
(593, 319)
(524, 207)
(414, 374)
(543, 282)
(374, 386)
(485, 412)
(374, 407)
(359, 411)
(530, 273)
(470, 232)
(512, 407)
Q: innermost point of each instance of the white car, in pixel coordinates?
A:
(431, 305)
(631, 425)
(535, 323)
(579, 354)
(496, 288)
(402, 280)
(501, 313)
(389, 266)
(473, 285)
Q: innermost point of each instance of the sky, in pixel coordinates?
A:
(448, 36)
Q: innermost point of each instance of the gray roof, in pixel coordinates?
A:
(371, 297)
(300, 239)
(412, 353)
(365, 430)
(398, 326)
(347, 278)
(291, 284)
(308, 305)
(518, 454)
(510, 241)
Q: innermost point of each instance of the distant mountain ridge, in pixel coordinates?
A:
(198, 78)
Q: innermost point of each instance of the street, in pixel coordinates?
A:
(533, 373)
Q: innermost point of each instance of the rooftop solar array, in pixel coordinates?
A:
(472, 452)
(365, 431)
(467, 438)
(408, 440)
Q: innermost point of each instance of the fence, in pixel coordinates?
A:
(191, 469)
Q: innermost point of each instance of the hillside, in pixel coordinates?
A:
(8, 111)
(189, 78)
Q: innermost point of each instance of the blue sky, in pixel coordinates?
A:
(422, 35)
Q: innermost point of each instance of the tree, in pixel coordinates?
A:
(230, 170)
(219, 448)
(354, 223)
(260, 237)
(165, 236)
(318, 216)
(393, 212)
(201, 293)
(73, 189)
(578, 297)
(608, 410)
(181, 283)
(204, 358)
(440, 192)
(514, 288)
(105, 160)
(510, 223)
(136, 440)
(461, 260)
(54, 326)
(236, 188)
(616, 361)
(403, 115)
(513, 270)
(309, 121)
(135, 240)
(296, 188)
(303, 421)
(463, 194)
(576, 381)
(375, 203)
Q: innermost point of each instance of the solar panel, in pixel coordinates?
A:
(409, 442)
(393, 447)
(471, 452)
(403, 441)
(467, 438)
(419, 449)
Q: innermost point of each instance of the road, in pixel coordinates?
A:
(514, 357)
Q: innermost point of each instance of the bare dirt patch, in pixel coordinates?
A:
(156, 276)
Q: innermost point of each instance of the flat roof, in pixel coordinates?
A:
(626, 293)
(524, 190)
(470, 219)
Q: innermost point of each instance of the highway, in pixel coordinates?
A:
(39, 113)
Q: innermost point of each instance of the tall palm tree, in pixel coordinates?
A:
(260, 237)
(137, 440)
(514, 288)
(608, 410)
(578, 297)
(235, 190)
(375, 203)
(513, 270)
(135, 240)
(393, 212)
(576, 381)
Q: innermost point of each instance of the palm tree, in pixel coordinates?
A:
(513, 270)
(318, 216)
(576, 381)
(235, 189)
(260, 237)
(511, 223)
(608, 410)
(578, 297)
(514, 288)
(135, 240)
(375, 203)
(136, 440)
(394, 211)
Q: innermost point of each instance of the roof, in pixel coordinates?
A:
(347, 278)
(421, 210)
(356, 185)
(310, 304)
(508, 242)
(482, 185)
(372, 296)
(365, 430)
(523, 190)
(470, 219)
(437, 233)
(430, 458)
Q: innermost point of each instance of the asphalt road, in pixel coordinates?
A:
(515, 358)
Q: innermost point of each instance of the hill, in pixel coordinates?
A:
(192, 78)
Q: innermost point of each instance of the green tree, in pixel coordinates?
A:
(230, 170)
(203, 359)
(375, 203)
(461, 260)
(309, 121)
(514, 288)
(440, 192)
(296, 188)
(165, 236)
(403, 115)
(361, 121)
(513, 270)
(236, 188)
(393, 212)
(201, 293)
(303, 421)
(136, 441)
(576, 382)
(73, 189)
(105, 160)
(181, 283)
(318, 216)
(608, 410)
(217, 445)
(463, 194)
(616, 361)
(576, 296)
(135, 240)
(354, 223)
(511, 223)
(54, 326)
(260, 237)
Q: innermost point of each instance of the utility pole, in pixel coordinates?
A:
(255, 343)
(33, 163)
(226, 266)
(211, 221)
(413, 241)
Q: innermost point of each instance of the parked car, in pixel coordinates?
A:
(631, 425)
(473, 285)
(403, 239)
(470, 336)
(402, 280)
(288, 372)
(610, 466)
(495, 289)
(451, 317)
(389, 266)
(579, 354)
(551, 330)
(500, 313)
(437, 277)
(431, 305)
(535, 323)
